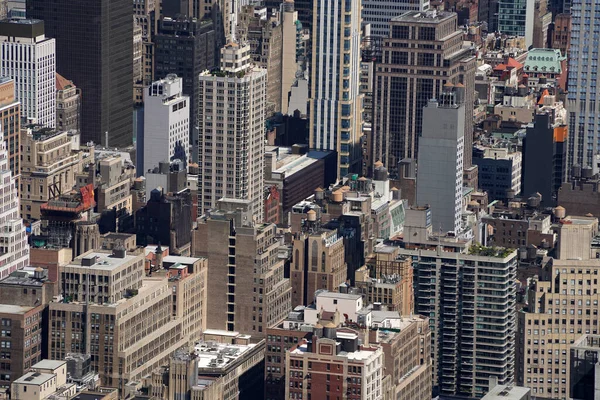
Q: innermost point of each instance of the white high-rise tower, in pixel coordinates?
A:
(29, 57)
(14, 250)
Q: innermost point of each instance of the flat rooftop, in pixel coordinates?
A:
(10, 309)
(213, 355)
(431, 17)
(335, 295)
(105, 261)
(180, 260)
(49, 364)
(504, 392)
(34, 378)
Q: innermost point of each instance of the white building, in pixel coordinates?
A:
(440, 160)
(231, 118)
(14, 250)
(166, 122)
(30, 59)
(378, 13)
(336, 102)
(583, 100)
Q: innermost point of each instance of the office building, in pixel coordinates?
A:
(335, 101)
(68, 105)
(10, 109)
(431, 42)
(248, 292)
(584, 141)
(185, 47)
(166, 122)
(542, 19)
(468, 292)
(12, 230)
(499, 171)
(92, 317)
(224, 365)
(545, 152)
(562, 306)
(107, 87)
(231, 131)
(28, 53)
(440, 175)
(516, 18)
(334, 365)
(318, 261)
(378, 13)
(50, 162)
(584, 380)
(146, 14)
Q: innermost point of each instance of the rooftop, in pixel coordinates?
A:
(506, 392)
(544, 60)
(213, 355)
(10, 309)
(180, 259)
(24, 277)
(335, 295)
(431, 17)
(49, 364)
(105, 261)
(34, 378)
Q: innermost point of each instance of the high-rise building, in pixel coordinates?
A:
(561, 36)
(10, 111)
(231, 118)
(468, 291)
(146, 14)
(12, 231)
(441, 148)
(378, 13)
(185, 47)
(68, 105)
(562, 306)
(500, 170)
(516, 18)
(423, 52)
(318, 261)
(28, 57)
(584, 378)
(544, 152)
(584, 140)
(99, 288)
(101, 65)
(166, 122)
(542, 18)
(335, 102)
(248, 292)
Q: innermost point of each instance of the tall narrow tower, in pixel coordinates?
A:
(231, 118)
(335, 101)
(441, 146)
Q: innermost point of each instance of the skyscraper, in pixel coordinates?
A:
(28, 57)
(441, 147)
(584, 127)
(336, 103)
(94, 49)
(378, 13)
(166, 122)
(516, 18)
(185, 47)
(15, 254)
(231, 118)
(423, 52)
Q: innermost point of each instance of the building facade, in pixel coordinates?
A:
(106, 106)
(584, 141)
(166, 122)
(335, 101)
(68, 105)
(516, 18)
(423, 52)
(441, 149)
(27, 53)
(10, 111)
(231, 118)
(248, 292)
(499, 171)
(378, 13)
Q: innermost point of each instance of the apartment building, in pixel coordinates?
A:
(231, 120)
